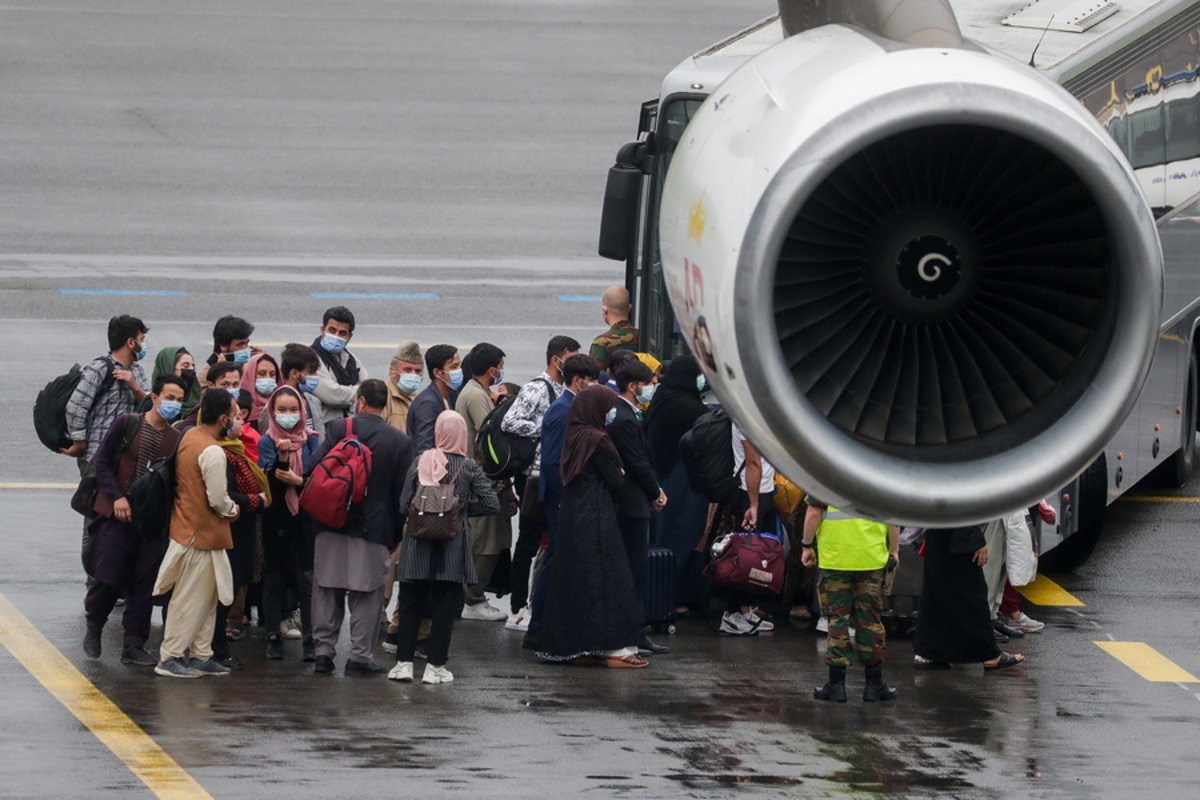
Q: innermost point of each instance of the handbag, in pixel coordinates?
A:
(749, 563)
(83, 500)
(433, 512)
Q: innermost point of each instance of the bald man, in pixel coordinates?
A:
(620, 335)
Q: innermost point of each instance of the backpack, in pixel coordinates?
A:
(338, 481)
(503, 455)
(152, 498)
(706, 450)
(50, 407)
(89, 485)
(433, 511)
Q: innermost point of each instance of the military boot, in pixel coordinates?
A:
(876, 689)
(835, 688)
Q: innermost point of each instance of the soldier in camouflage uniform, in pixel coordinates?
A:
(852, 554)
(621, 335)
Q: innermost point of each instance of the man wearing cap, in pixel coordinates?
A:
(404, 379)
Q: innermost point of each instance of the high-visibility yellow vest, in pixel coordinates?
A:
(851, 544)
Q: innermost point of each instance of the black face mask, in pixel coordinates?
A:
(188, 375)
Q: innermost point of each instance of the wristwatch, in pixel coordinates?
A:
(809, 545)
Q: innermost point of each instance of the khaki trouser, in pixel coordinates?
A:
(192, 612)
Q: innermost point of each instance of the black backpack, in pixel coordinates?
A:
(89, 485)
(152, 497)
(50, 407)
(503, 455)
(707, 454)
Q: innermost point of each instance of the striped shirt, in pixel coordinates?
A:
(91, 411)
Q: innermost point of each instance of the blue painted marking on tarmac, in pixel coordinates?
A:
(129, 292)
(374, 295)
(580, 298)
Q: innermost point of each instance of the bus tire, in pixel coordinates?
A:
(1179, 469)
(1073, 551)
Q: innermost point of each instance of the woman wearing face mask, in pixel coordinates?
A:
(678, 527)
(286, 452)
(260, 379)
(249, 490)
(591, 604)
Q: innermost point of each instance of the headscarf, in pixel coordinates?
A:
(449, 436)
(585, 433)
(237, 448)
(298, 436)
(248, 378)
(164, 364)
(675, 406)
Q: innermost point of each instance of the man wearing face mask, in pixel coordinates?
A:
(340, 373)
(108, 387)
(196, 567)
(225, 375)
(404, 379)
(640, 495)
(123, 562)
(445, 379)
(525, 419)
(231, 342)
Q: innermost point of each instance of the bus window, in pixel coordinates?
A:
(1183, 125)
(1147, 137)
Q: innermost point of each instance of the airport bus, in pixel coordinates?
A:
(1136, 69)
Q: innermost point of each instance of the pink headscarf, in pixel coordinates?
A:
(248, 378)
(449, 436)
(298, 436)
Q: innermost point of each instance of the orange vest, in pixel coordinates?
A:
(193, 522)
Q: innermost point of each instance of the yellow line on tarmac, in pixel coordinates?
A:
(149, 762)
(1045, 592)
(1159, 499)
(39, 485)
(1147, 662)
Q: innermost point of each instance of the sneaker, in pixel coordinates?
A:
(484, 612)
(436, 675)
(290, 627)
(391, 642)
(734, 624)
(363, 668)
(209, 666)
(234, 664)
(137, 655)
(763, 625)
(403, 672)
(91, 643)
(823, 624)
(1024, 623)
(519, 621)
(275, 648)
(175, 668)
(323, 665)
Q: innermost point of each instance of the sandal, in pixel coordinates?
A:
(921, 662)
(234, 634)
(628, 662)
(1004, 661)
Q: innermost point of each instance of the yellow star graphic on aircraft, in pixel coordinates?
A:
(697, 220)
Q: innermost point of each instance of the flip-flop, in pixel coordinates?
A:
(628, 662)
(920, 662)
(1006, 660)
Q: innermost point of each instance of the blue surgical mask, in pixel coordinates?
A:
(287, 421)
(310, 383)
(138, 355)
(701, 383)
(409, 382)
(169, 409)
(265, 386)
(241, 356)
(647, 392)
(235, 393)
(610, 416)
(456, 378)
(332, 344)
(500, 376)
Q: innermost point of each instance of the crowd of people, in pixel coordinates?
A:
(246, 431)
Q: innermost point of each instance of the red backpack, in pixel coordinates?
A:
(338, 481)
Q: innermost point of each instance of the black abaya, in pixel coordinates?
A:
(954, 622)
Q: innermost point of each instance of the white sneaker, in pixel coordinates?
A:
(1026, 623)
(403, 671)
(290, 627)
(735, 624)
(823, 624)
(758, 622)
(435, 674)
(485, 612)
(519, 621)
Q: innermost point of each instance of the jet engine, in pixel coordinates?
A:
(922, 279)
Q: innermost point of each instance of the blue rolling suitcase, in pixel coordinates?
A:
(660, 589)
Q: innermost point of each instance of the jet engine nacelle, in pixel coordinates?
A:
(923, 280)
